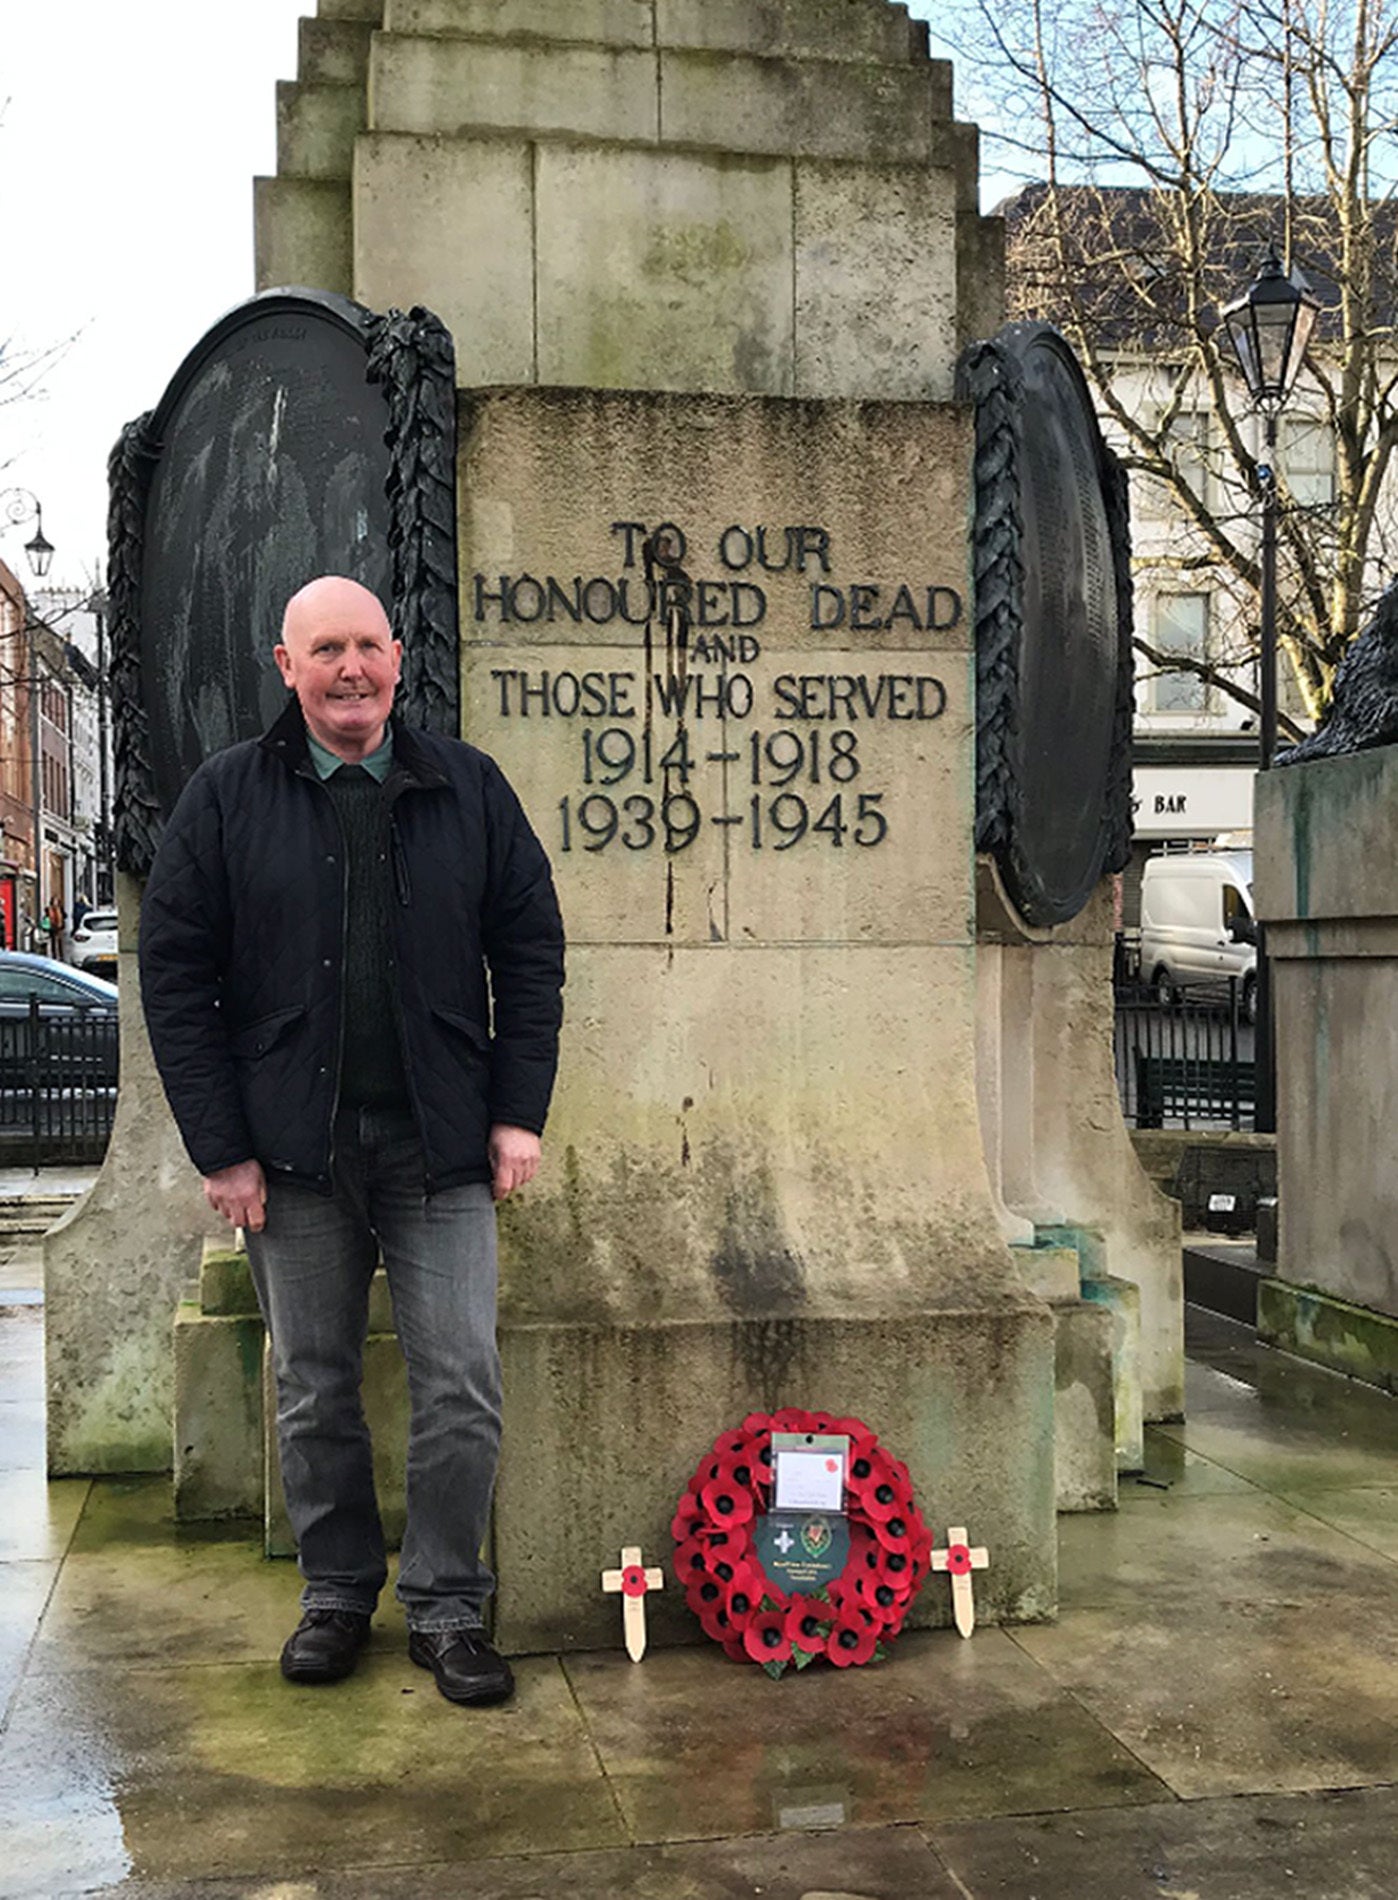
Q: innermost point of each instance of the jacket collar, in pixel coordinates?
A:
(285, 739)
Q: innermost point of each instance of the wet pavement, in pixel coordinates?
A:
(1214, 1716)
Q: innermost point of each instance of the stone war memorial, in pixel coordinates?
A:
(791, 592)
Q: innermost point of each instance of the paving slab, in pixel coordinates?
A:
(1171, 1467)
(22, 1435)
(138, 1587)
(37, 1518)
(24, 1590)
(1326, 1846)
(1290, 1430)
(892, 1863)
(695, 1745)
(1233, 1643)
(1367, 1513)
(22, 1354)
(185, 1773)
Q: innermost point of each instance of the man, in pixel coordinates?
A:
(314, 943)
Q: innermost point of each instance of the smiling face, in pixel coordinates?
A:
(339, 657)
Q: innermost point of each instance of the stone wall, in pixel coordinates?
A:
(1327, 890)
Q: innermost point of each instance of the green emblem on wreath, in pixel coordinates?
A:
(815, 1536)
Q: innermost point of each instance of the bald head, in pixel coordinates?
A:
(332, 597)
(338, 655)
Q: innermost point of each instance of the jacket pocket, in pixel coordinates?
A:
(464, 1026)
(255, 1039)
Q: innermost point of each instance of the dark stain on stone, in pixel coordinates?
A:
(753, 1267)
(770, 1349)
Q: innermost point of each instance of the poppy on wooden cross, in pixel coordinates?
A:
(959, 1560)
(633, 1580)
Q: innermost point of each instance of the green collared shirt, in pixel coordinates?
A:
(377, 764)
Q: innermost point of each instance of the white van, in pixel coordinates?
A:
(1198, 924)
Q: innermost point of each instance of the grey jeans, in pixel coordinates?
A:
(312, 1265)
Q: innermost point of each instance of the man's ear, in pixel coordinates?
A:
(283, 660)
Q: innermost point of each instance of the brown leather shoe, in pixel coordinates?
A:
(467, 1667)
(324, 1646)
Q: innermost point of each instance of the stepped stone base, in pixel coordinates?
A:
(1121, 1299)
(942, 1389)
(604, 1426)
(1084, 1411)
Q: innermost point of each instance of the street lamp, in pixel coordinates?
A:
(1270, 327)
(20, 506)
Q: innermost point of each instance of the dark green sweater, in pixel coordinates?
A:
(371, 1063)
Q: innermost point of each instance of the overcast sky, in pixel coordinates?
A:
(130, 134)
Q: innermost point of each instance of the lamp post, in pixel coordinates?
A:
(20, 505)
(1270, 326)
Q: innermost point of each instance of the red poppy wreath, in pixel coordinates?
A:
(848, 1618)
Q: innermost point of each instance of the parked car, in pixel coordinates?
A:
(77, 1016)
(93, 944)
(1198, 926)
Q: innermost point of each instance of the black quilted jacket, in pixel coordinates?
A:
(242, 930)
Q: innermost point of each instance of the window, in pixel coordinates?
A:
(1181, 626)
(1306, 453)
(1187, 445)
(19, 984)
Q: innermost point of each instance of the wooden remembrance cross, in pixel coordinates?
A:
(960, 1560)
(633, 1580)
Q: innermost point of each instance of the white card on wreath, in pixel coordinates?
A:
(810, 1470)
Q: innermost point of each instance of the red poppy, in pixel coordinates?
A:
(881, 1596)
(633, 1581)
(704, 1595)
(921, 1550)
(711, 1468)
(958, 1559)
(792, 1419)
(765, 1638)
(734, 1648)
(727, 1502)
(893, 1533)
(807, 1620)
(741, 1468)
(688, 1513)
(734, 1444)
(852, 1639)
(691, 1559)
(880, 1497)
(744, 1590)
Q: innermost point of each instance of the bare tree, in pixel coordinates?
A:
(1171, 142)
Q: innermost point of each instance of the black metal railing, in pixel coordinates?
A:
(58, 1084)
(1185, 1064)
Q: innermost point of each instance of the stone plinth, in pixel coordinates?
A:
(1327, 891)
(117, 1266)
(621, 1415)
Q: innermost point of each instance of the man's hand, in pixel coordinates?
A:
(239, 1193)
(514, 1158)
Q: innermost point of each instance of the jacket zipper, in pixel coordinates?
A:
(403, 885)
(340, 1021)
